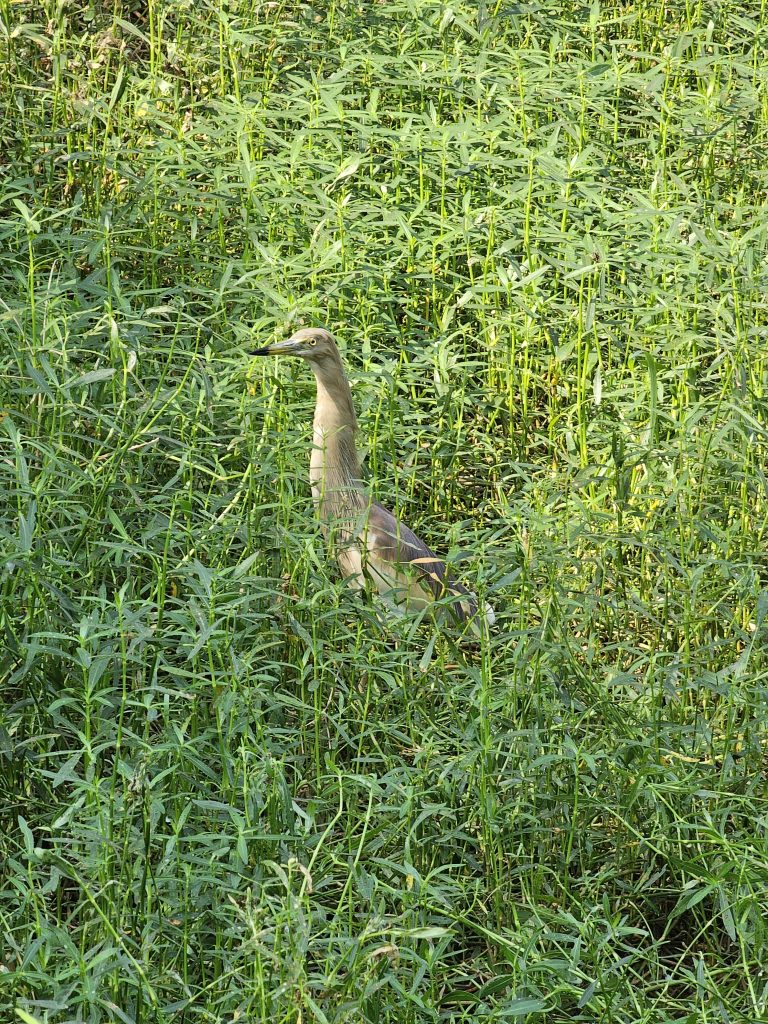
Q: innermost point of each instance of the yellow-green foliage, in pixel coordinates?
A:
(539, 231)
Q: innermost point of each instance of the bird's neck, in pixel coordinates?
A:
(335, 472)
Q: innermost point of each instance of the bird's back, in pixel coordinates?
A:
(403, 569)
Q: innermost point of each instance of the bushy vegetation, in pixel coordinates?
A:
(540, 234)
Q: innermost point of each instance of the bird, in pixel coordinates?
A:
(370, 544)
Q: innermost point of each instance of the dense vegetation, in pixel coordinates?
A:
(540, 232)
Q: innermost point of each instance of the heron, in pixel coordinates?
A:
(371, 545)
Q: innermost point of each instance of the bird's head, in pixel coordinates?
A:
(314, 344)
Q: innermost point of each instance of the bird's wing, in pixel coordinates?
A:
(398, 560)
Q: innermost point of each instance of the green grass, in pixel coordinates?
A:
(540, 232)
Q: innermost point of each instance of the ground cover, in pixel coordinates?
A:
(539, 232)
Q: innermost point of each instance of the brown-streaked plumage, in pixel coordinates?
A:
(368, 541)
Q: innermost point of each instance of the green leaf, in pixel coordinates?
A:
(92, 377)
(25, 1017)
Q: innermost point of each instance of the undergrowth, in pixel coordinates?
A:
(539, 232)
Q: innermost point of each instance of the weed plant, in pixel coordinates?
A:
(540, 232)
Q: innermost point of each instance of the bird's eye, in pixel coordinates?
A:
(313, 342)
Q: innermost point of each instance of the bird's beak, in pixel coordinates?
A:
(279, 348)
